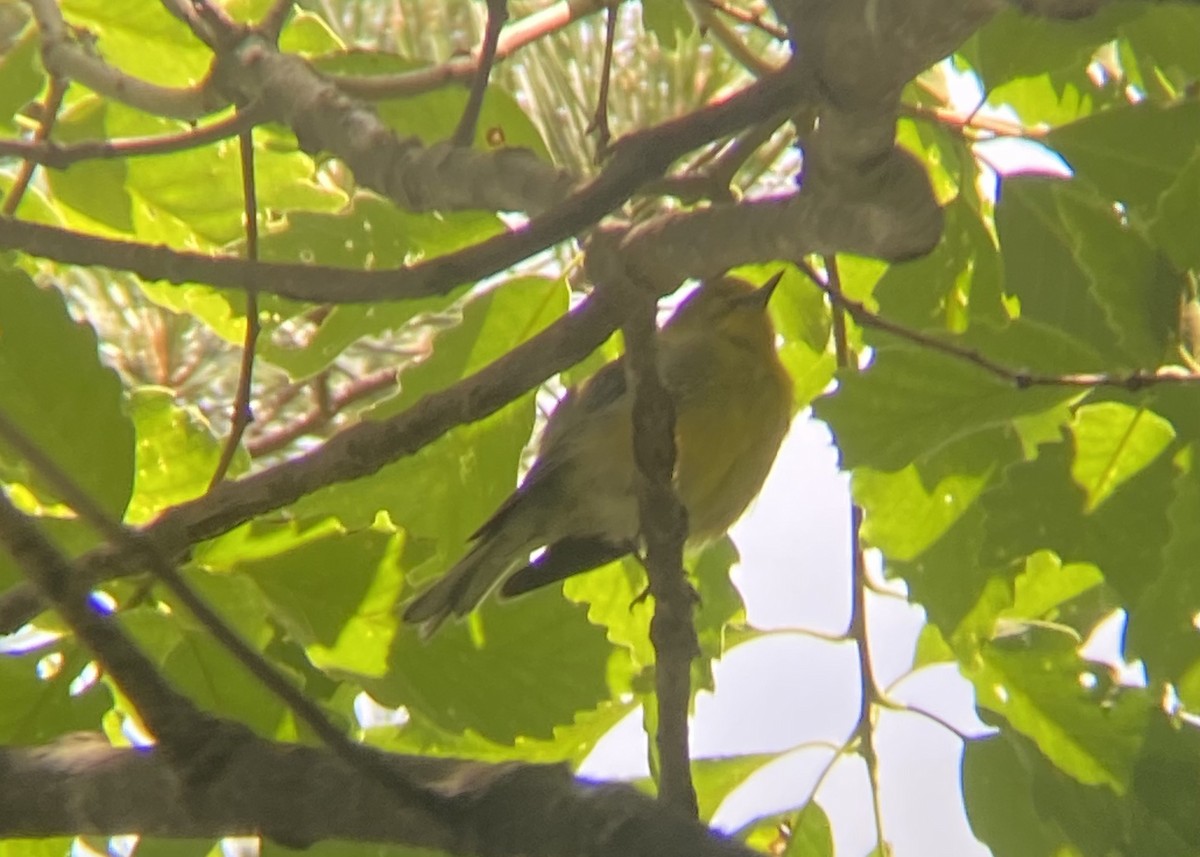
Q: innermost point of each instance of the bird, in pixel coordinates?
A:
(577, 504)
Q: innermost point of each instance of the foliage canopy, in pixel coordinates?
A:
(1013, 388)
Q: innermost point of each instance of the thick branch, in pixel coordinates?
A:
(301, 795)
(636, 159)
(64, 57)
(663, 521)
(444, 176)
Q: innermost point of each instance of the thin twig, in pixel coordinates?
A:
(746, 16)
(516, 35)
(1020, 378)
(749, 58)
(276, 17)
(906, 708)
(712, 175)
(886, 700)
(497, 15)
(976, 126)
(869, 695)
(49, 114)
(243, 415)
(326, 406)
(857, 629)
(60, 156)
(599, 124)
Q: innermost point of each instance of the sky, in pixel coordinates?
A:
(793, 690)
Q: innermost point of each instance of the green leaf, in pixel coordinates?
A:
(142, 39)
(1017, 44)
(260, 539)
(1127, 277)
(1162, 36)
(766, 834)
(493, 324)
(912, 401)
(1083, 723)
(206, 673)
(450, 487)
(715, 779)
(44, 390)
(151, 846)
(521, 668)
(1019, 804)
(1174, 223)
(90, 195)
(1166, 786)
(910, 509)
(948, 577)
(1162, 624)
(177, 453)
(21, 76)
(188, 198)
(1132, 154)
(1113, 443)
(615, 599)
(1077, 268)
(811, 833)
(1046, 585)
(931, 648)
(667, 19)
(570, 743)
(720, 604)
(958, 281)
(1001, 805)
(59, 846)
(371, 233)
(612, 594)
(798, 308)
(1051, 98)
(336, 596)
(39, 701)
(800, 832)
(308, 34)
(1038, 505)
(223, 311)
(947, 159)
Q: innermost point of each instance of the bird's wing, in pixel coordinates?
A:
(579, 405)
(561, 560)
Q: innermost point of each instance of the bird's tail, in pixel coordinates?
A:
(461, 589)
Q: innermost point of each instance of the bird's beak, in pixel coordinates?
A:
(761, 296)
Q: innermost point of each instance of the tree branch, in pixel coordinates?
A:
(301, 795)
(64, 57)
(242, 415)
(662, 518)
(497, 15)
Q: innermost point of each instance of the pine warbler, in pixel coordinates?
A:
(733, 403)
